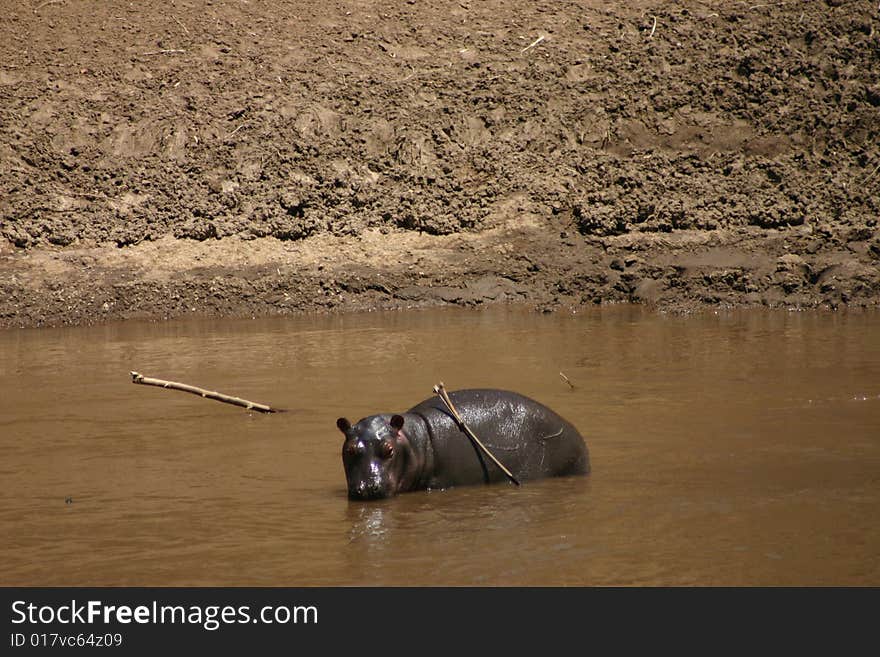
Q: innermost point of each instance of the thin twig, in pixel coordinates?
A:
(768, 4)
(440, 390)
(565, 378)
(232, 134)
(408, 77)
(207, 394)
(181, 24)
(88, 195)
(871, 175)
(533, 43)
(164, 52)
(330, 64)
(47, 3)
(653, 28)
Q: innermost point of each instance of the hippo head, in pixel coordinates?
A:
(376, 455)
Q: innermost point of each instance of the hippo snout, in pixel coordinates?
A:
(369, 490)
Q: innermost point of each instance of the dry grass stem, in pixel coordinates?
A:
(165, 52)
(47, 3)
(232, 134)
(533, 43)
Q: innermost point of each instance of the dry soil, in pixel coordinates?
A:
(234, 158)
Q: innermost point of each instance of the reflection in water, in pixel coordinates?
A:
(739, 448)
(367, 524)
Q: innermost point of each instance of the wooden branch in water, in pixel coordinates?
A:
(207, 394)
(444, 397)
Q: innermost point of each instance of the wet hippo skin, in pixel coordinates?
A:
(424, 448)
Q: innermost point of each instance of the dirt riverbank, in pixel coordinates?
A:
(160, 160)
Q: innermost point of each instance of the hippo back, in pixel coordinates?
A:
(531, 440)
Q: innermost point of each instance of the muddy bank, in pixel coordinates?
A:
(261, 158)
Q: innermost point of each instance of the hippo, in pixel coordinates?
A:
(425, 448)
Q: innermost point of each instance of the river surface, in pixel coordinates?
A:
(740, 448)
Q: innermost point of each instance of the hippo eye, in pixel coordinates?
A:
(354, 448)
(386, 449)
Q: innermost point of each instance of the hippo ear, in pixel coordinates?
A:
(397, 422)
(343, 424)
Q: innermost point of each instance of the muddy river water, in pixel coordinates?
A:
(735, 449)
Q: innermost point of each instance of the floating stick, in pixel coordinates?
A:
(565, 378)
(208, 394)
(444, 397)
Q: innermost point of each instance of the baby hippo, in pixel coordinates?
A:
(425, 448)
